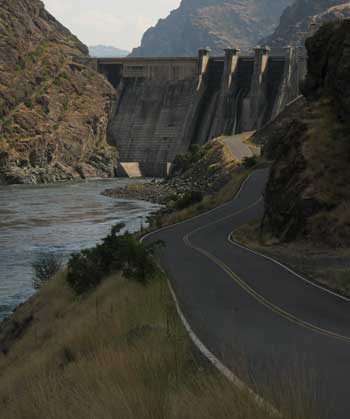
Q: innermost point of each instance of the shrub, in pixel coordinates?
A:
(20, 66)
(29, 103)
(66, 104)
(45, 267)
(8, 125)
(155, 220)
(183, 162)
(116, 253)
(190, 198)
(249, 162)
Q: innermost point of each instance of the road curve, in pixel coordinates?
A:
(237, 145)
(239, 302)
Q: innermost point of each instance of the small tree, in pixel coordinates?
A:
(45, 267)
(117, 253)
(250, 162)
(190, 198)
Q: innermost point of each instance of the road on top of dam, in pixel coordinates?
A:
(241, 304)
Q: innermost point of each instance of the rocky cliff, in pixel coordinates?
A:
(217, 24)
(53, 108)
(308, 192)
(303, 17)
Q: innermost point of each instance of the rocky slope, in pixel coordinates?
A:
(53, 108)
(303, 17)
(308, 192)
(204, 170)
(217, 24)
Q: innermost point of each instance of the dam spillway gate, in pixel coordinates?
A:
(166, 104)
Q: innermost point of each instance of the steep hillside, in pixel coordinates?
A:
(300, 19)
(53, 108)
(217, 24)
(308, 193)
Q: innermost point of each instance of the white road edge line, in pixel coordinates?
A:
(235, 243)
(226, 372)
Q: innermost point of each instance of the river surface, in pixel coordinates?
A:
(60, 218)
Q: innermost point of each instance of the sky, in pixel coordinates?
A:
(119, 23)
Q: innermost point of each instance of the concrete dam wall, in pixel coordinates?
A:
(167, 104)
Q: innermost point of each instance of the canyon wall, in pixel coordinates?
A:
(53, 107)
(217, 24)
(304, 16)
(307, 196)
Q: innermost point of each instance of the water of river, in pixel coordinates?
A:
(61, 218)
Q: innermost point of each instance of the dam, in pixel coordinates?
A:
(165, 105)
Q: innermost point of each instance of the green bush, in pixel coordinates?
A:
(116, 253)
(249, 162)
(66, 104)
(20, 66)
(29, 103)
(190, 198)
(183, 162)
(7, 125)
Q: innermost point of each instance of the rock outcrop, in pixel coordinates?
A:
(53, 108)
(308, 192)
(216, 24)
(302, 18)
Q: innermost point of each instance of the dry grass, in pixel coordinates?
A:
(249, 234)
(327, 152)
(303, 257)
(120, 352)
(336, 279)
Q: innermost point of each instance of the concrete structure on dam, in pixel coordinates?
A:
(167, 104)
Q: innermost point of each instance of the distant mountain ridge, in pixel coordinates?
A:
(105, 51)
(217, 24)
(303, 17)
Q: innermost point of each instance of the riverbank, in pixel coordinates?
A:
(155, 191)
(203, 170)
(60, 218)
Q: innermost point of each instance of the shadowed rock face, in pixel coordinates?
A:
(217, 24)
(329, 65)
(308, 192)
(295, 22)
(53, 108)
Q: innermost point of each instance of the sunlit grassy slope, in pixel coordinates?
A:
(120, 352)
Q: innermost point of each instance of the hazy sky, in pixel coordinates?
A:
(120, 23)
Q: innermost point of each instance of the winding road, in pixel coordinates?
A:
(237, 302)
(237, 145)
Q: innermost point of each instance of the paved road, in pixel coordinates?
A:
(238, 302)
(238, 147)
